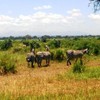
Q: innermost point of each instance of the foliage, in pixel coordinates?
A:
(54, 43)
(59, 55)
(89, 73)
(78, 67)
(34, 44)
(52, 55)
(25, 42)
(96, 4)
(81, 44)
(17, 49)
(6, 44)
(7, 63)
(44, 38)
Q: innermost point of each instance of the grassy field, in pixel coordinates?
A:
(55, 82)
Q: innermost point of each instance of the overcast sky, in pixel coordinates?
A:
(48, 17)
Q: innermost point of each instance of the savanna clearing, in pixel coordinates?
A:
(55, 82)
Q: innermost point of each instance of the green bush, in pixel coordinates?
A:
(26, 42)
(59, 55)
(54, 43)
(7, 64)
(78, 67)
(17, 49)
(34, 44)
(6, 44)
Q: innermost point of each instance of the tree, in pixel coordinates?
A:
(96, 4)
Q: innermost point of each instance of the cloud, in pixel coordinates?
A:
(94, 16)
(41, 23)
(74, 12)
(44, 7)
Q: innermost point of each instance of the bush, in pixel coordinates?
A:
(96, 50)
(78, 67)
(26, 42)
(54, 43)
(6, 44)
(34, 44)
(59, 55)
(7, 64)
(17, 49)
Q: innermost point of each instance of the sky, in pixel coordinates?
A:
(48, 17)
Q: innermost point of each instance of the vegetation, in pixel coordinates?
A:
(6, 44)
(7, 63)
(79, 81)
(78, 67)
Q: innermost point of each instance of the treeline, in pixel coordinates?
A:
(62, 43)
(47, 37)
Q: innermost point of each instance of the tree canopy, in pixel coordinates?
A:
(96, 4)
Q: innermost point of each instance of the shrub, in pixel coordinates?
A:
(7, 64)
(55, 43)
(43, 39)
(17, 49)
(52, 55)
(78, 66)
(6, 44)
(26, 42)
(34, 44)
(59, 55)
(96, 51)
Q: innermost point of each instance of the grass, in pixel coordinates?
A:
(89, 73)
(56, 82)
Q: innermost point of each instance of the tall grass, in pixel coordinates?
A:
(7, 63)
(78, 67)
(89, 73)
(79, 95)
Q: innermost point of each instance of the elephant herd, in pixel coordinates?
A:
(37, 57)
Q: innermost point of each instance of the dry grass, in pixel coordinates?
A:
(42, 81)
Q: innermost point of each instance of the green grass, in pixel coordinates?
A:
(89, 73)
(79, 95)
